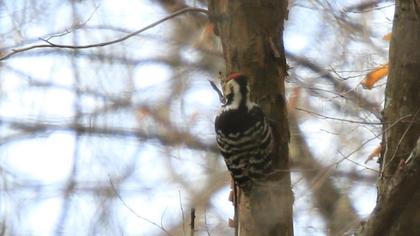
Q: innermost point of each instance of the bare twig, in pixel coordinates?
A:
(192, 224)
(182, 212)
(367, 6)
(369, 140)
(131, 209)
(356, 163)
(74, 26)
(205, 222)
(401, 139)
(339, 119)
(179, 137)
(49, 44)
(335, 207)
(405, 185)
(342, 88)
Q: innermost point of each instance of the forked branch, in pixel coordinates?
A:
(49, 44)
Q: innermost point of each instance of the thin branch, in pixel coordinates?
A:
(182, 211)
(342, 88)
(339, 119)
(356, 163)
(367, 6)
(201, 199)
(386, 165)
(134, 212)
(49, 44)
(405, 185)
(75, 26)
(335, 207)
(205, 222)
(369, 140)
(178, 137)
(192, 224)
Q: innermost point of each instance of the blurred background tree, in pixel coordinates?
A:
(119, 140)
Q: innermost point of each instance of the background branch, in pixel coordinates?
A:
(50, 44)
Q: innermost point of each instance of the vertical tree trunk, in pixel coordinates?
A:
(398, 207)
(403, 98)
(251, 34)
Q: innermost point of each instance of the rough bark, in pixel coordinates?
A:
(392, 215)
(398, 207)
(251, 36)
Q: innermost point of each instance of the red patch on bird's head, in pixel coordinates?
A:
(234, 75)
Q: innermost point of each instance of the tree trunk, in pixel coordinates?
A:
(251, 35)
(398, 207)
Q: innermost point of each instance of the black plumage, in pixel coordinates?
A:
(243, 134)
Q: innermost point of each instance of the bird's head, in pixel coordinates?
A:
(236, 91)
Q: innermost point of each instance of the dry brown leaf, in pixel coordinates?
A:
(375, 153)
(374, 76)
(388, 37)
(206, 37)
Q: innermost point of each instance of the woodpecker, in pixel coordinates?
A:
(243, 134)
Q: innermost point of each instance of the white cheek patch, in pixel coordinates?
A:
(237, 97)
